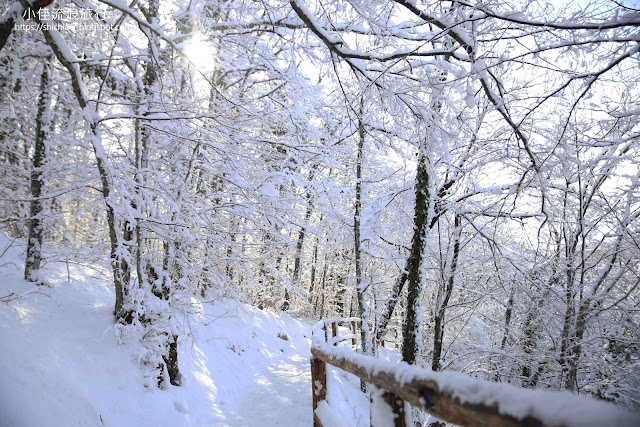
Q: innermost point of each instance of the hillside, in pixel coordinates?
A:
(62, 363)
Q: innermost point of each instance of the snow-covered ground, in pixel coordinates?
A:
(61, 363)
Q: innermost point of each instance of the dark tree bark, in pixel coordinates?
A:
(507, 318)
(117, 249)
(171, 360)
(320, 299)
(312, 280)
(438, 332)
(297, 264)
(7, 22)
(363, 310)
(532, 323)
(43, 122)
(360, 286)
(390, 305)
(411, 328)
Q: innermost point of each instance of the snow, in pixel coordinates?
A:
(261, 406)
(316, 25)
(381, 412)
(269, 190)
(14, 11)
(327, 416)
(67, 54)
(345, 400)
(61, 363)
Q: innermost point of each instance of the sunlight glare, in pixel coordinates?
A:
(200, 53)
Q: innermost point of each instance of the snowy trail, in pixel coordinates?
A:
(280, 396)
(63, 362)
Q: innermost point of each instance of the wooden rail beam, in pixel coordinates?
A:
(457, 398)
(425, 394)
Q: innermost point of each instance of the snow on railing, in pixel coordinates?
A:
(450, 396)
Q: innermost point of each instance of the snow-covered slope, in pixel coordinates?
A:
(61, 363)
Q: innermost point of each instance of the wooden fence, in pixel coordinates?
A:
(452, 397)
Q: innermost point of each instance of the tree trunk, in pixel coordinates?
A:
(312, 280)
(171, 360)
(390, 305)
(566, 340)
(363, 311)
(118, 252)
(320, 299)
(438, 333)
(532, 323)
(411, 327)
(297, 265)
(34, 243)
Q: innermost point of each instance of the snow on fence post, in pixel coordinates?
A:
(386, 408)
(397, 407)
(318, 386)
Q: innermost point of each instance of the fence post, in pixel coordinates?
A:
(377, 413)
(397, 406)
(318, 385)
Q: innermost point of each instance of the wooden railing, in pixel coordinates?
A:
(332, 325)
(451, 397)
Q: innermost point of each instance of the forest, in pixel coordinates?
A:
(464, 173)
